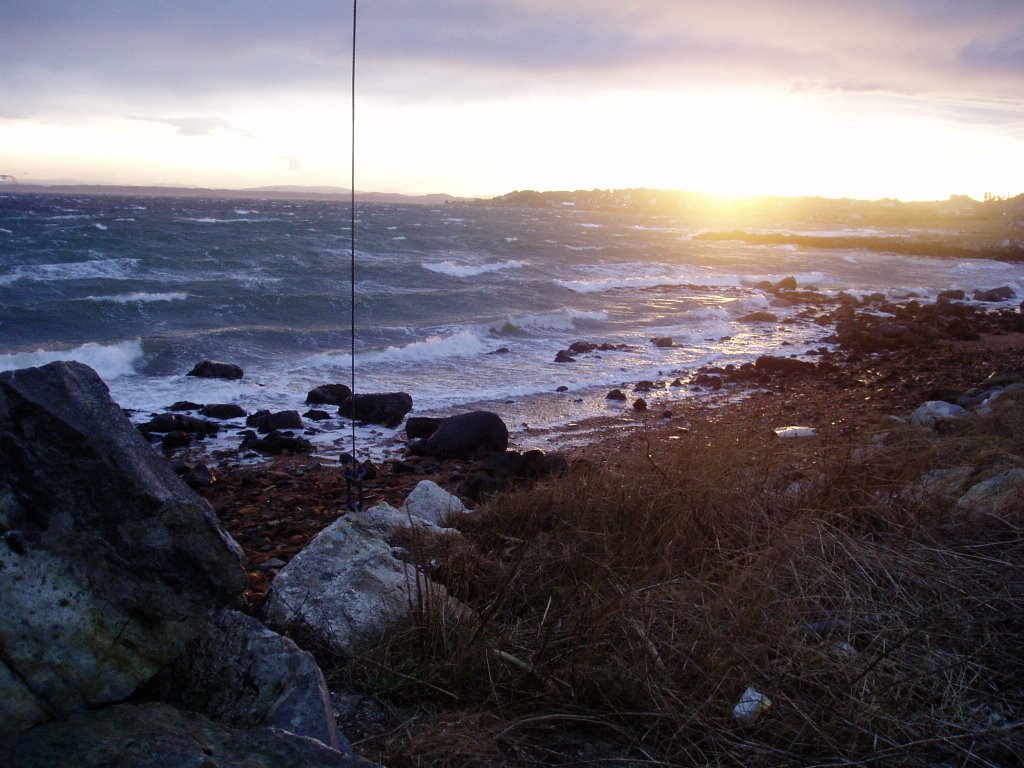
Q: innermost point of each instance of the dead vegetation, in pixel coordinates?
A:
(622, 611)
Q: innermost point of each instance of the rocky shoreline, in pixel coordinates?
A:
(83, 493)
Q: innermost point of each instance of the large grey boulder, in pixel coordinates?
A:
(1000, 495)
(932, 412)
(241, 673)
(386, 408)
(348, 587)
(160, 736)
(109, 563)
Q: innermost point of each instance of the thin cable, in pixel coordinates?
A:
(352, 233)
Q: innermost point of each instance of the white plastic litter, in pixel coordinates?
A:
(795, 431)
(752, 705)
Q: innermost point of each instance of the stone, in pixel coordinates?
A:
(384, 408)
(786, 284)
(176, 422)
(662, 341)
(760, 316)
(932, 412)
(616, 394)
(275, 444)
(109, 565)
(176, 439)
(223, 411)
(329, 394)
(465, 435)
(266, 422)
(240, 673)
(347, 588)
(214, 369)
(564, 356)
(429, 501)
(417, 427)
(639, 405)
(1001, 494)
(315, 414)
(156, 735)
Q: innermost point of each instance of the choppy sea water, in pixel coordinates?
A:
(459, 305)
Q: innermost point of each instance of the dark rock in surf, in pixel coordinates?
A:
(663, 341)
(1004, 293)
(265, 421)
(117, 563)
(223, 411)
(465, 435)
(639, 405)
(783, 366)
(275, 444)
(176, 422)
(616, 394)
(214, 369)
(314, 414)
(384, 408)
(761, 316)
(176, 439)
(786, 284)
(185, 405)
(328, 394)
(564, 356)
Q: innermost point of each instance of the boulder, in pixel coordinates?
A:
(760, 316)
(157, 735)
(315, 414)
(429, 501)
(1001, 495)
(465, 435)
(329, 394)
(417, 427)
(214, 369)
(175, 422)
(384, 408)
(786, 284)
(564, 356)
(238, 672)
(1003, 293)
(347, 588)
(265, 421)
(223, 411)
(783, 366)
(274, 444)
(934, 411)
(615, 394)
(110, 564)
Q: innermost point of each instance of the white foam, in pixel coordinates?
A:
(110, 361)
(433, 348)
(139, 296)
(101, 227)
(454, 269)
(562, 320)
(76, 270)
(6, 231)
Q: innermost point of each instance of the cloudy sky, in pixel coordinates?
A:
(867, 98)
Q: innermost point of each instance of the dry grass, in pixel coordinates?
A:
(622, 610)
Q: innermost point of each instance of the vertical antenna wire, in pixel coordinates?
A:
(352, 232)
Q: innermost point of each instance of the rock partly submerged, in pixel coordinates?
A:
(109, 564)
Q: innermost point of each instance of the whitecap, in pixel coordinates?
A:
(562, 320)
(432, 348)
(110, 361)
(454, 269)
(139, 296)
(101, 227)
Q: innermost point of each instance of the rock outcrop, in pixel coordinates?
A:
(240, 673)
(158, 736)
(109, 563)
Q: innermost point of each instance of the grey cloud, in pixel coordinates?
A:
(191, 51)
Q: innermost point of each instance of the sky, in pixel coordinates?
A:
(909, 99)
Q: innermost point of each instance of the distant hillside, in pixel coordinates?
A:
(258, 193)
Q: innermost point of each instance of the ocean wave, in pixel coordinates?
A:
(461, 344)
(212, 220)
(562, 320)
(139, 296)
(620, 282)
(454, 269)
(110, 361)
(112, 269)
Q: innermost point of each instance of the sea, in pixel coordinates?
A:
(464, 306)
